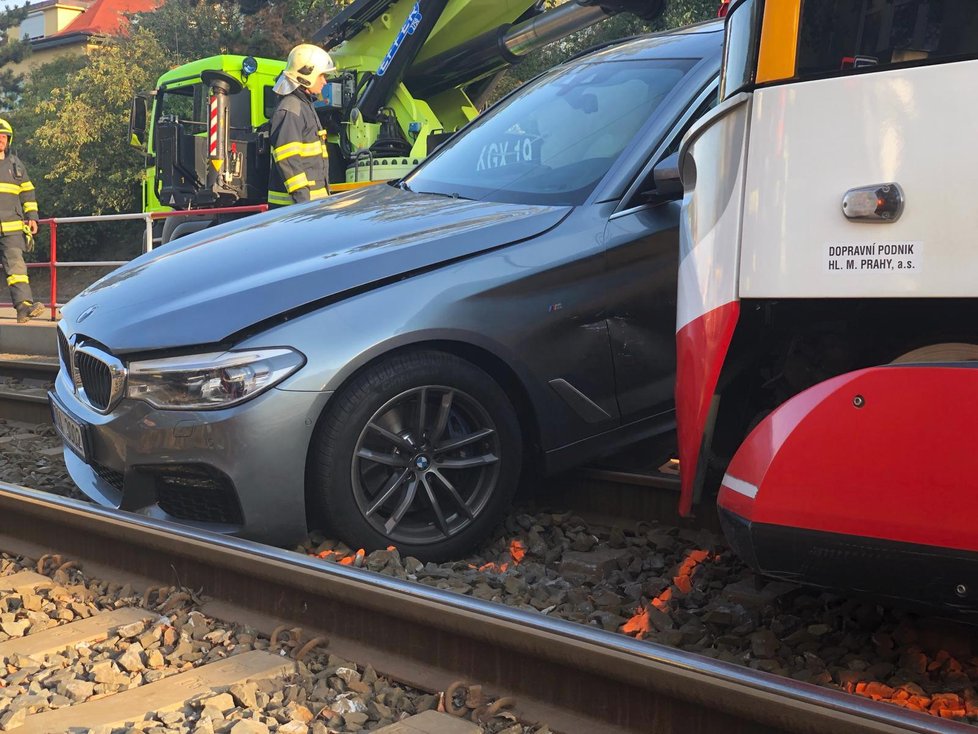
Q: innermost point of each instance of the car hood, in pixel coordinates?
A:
(205, 288)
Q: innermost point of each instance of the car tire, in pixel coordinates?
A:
(430, 481)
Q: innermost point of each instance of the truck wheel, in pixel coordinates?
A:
(175, 227)
(421, 451)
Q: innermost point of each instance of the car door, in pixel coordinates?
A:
(642, 255)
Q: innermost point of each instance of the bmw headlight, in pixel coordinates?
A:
(215, 380)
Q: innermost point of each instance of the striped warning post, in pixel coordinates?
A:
(213, 127)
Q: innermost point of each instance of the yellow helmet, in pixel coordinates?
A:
(306, 62)
(6, 129)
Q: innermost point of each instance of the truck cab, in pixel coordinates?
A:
(170, 124)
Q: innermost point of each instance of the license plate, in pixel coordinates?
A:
(71, 430)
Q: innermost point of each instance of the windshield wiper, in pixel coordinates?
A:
(453, 195)
(403, 186)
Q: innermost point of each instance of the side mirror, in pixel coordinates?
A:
(138, 114)
(269, 101)
(665, 176)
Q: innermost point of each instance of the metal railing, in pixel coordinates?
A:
(53, 263)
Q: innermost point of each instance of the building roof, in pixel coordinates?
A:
(79, 4)
(106, 17)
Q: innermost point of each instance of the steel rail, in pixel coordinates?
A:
(577, 678)
(29, 368)
(24, 407)
(26, 404)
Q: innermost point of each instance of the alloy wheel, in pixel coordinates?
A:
(425, 465)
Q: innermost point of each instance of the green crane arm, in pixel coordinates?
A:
(437, 45)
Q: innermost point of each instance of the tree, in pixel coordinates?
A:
(71, 126)
(12, 51)
(79, 142)
(193, 29)
(685, 12)
(274, 27)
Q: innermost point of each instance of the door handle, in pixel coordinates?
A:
(879, 203)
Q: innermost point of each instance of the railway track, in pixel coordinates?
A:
(575, 678)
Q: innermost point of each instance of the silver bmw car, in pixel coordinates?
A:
(386, 364)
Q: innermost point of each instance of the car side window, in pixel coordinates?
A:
(711, 101)
(641, 195)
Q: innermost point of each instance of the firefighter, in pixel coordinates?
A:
(18, 225)
(300, 164)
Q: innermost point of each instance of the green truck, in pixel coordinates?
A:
(409, 73)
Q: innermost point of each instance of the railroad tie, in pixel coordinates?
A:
(132, 705)
(92, 630)
(165, 695)
(24, 581)
(431, 722)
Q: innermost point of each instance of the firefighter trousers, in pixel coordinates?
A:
(12, 258)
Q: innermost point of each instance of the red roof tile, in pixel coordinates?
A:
(107, 17)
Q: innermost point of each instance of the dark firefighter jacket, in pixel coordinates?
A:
(17, 200)
(299, 159)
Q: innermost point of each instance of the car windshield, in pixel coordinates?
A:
(554, 140)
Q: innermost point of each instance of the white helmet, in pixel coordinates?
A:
(306, 62)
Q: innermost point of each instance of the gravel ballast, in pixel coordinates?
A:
(325, 695)
(681, 588)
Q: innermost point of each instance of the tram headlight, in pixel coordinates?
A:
(212, 380)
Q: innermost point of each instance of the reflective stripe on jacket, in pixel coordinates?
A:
(17, 199)
(300, 164)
